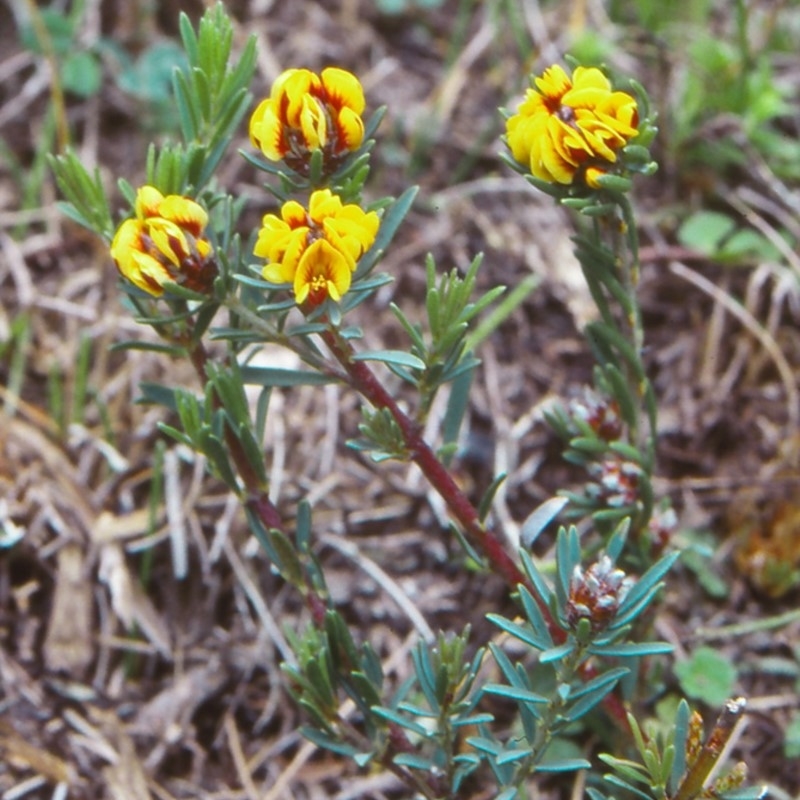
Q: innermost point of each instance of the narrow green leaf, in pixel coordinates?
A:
(424, 670)
(631, 649)
(218, 457)
(745, 793)
(506, 667)
(522, 632)
(474, 719)
(397, 358)
(404, 722)
(485, 745)
(174, 433)
(615, 781)
(412, 330)
(556, 653)
(641, 593)
(390, 222)
(364, 690)
(327, 742)
(252, 449)
(416, 711)
(590, 699)
(413, 761)
(457, 405)
(601, 681)
(536, 578)
(280, 377)
(540, 518)
(485, 504)
(680, 735)
(288, 561)
(513, 756)
(563, 765)
(536, 618)
(187, 114)
(565, 566)
(514, 693)
(621, 392)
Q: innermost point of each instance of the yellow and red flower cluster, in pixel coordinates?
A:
(316, 250)
(570, 128)
(307, 112)
(164, 244)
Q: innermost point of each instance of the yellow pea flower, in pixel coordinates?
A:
(570, 126)
(307, 112)
(163, 243)
(316, 250)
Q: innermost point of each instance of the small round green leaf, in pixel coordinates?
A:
(708, 676)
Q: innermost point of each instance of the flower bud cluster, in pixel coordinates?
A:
(600, 412)
(616, 483)
(596, 593)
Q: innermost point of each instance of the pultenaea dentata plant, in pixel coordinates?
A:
(579, 634)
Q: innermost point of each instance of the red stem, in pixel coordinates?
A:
(363, 379)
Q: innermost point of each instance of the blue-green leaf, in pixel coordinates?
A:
(413, 761)
(563, 765)
(631, 649)
(522, 632)
(279, 376)
(540, 518)
(514, 693)
(536, 618)
(397, 358)
(473, 719)
(398, 719)
(557, 653)
(511, 756)
(641, 593)
(326, 741)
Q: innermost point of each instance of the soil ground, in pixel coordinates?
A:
(121, 676)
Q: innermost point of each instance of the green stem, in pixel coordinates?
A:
(546, 727)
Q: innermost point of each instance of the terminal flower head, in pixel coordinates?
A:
(315, 249)
(570, 128)
(307, 112)
(597, 593)
(164, 243)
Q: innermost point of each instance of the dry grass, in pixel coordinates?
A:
(141, 643)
